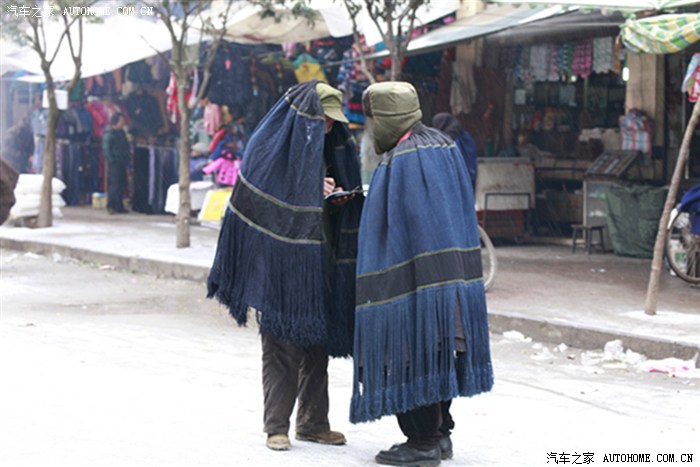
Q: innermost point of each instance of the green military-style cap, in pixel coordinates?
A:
(332, 102)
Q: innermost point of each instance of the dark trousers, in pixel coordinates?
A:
(116, 186)
(293, 374)
(425, 425)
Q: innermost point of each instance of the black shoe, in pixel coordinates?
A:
(446, 448)
(406, 456)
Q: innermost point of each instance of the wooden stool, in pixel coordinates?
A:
(587, 235)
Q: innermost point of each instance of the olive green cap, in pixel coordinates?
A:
(332, 102)
(394, 108)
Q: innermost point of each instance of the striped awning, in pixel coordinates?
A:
(663, 34)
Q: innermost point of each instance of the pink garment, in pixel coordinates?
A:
(582, 61)
(212, 118)
(227, 170)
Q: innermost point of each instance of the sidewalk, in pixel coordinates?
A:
(543, 291)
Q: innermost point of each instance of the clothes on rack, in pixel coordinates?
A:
(145, 112)
(229, 84)
(155, 169)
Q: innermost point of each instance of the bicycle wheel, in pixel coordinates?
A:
(683, 249)
(488, 259)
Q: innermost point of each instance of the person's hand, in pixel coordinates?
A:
(328, 186)
(343, 199)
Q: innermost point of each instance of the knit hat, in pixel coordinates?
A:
(332, 102)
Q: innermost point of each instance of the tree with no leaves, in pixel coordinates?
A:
(395, 20)
(181, 17)
(26, 23)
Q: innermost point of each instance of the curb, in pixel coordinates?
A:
(588, 338)
(582, 337)
(121, 262)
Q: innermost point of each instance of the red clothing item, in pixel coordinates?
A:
(227, 170)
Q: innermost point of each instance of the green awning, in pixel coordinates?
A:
(663, 34)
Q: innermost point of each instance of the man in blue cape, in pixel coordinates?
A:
(421, 330)
(290, 255)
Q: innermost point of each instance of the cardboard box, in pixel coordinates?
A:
(99, 200)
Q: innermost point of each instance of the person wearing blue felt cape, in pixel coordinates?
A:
(289, 254)
(421, 329)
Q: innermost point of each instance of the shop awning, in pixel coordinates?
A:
(661, 34)
(107, 45)
(492, 20)
(614, 5)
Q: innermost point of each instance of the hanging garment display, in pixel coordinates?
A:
(463, 95)
(307, 68)
(229, 84)
(636, 130)
(602, 54)
(582, 61)
(691, 82)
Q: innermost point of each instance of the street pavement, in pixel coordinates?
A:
(106, 367)
(543, 291)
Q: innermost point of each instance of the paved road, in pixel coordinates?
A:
(105, 368)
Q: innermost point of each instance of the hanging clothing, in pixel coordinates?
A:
(226, 169)
(538, 62)
(307, 68)
(582, 60)
(229, 84)
(463, 95)
(144, 112)
(691, 81)
(602, 54)
(636, 131)
(212, 118)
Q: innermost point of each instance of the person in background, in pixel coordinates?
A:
(117, 151)
(289, 254)
(421, 328)
(448, 124)
(18, 148)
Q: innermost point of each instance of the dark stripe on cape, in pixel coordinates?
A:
(274, 217)
(426, 270)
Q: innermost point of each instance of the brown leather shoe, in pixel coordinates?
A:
(279, 442)
(334, 438)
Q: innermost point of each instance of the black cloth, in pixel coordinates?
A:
(229, 84)
(292, 374)
(144, 111)
(116, 186)
(426, 425)
(117, 152)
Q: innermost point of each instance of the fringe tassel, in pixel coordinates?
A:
(341, 319)
(404, 358)
(249, 269)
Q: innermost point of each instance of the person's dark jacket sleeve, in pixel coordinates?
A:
(8, 181)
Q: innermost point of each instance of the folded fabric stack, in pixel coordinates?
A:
(28, 195)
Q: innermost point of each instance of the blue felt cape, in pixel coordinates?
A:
(418, 259)
(282, 250)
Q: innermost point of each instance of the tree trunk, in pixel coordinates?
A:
(657, 261)
(185, 208)
(45, 218)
